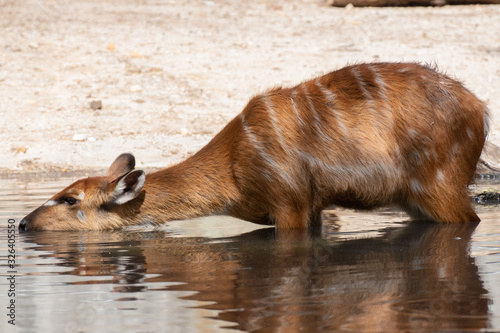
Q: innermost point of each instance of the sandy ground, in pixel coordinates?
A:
(170, 74)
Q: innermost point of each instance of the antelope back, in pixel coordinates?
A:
(361, 137)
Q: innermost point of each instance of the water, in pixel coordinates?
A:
(365, 272)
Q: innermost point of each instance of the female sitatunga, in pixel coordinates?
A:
(364, 136)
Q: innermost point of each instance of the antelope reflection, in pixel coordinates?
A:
(417, 277)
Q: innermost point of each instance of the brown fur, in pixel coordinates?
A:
(364, 136)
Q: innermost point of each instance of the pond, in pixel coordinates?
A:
(362, 272)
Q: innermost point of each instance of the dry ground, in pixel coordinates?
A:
(170, 74)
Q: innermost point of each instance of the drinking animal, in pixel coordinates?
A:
(364, 136)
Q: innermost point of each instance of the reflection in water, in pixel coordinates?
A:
(419, 277)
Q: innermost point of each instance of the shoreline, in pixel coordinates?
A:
(83, 82)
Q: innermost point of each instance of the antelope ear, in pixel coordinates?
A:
(128, 187)
(120, 167)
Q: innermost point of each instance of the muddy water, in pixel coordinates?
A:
(363, 272)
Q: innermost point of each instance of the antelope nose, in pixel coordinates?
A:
(22, 225)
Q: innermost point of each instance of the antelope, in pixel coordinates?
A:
(364, 136)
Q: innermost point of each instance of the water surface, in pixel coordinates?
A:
(363, 272)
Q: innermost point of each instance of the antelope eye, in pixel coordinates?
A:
(70, 200)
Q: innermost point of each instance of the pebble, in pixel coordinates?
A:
(19, 150)
(79, 137)
(96, 105)
(135, 54)
(135, 88)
